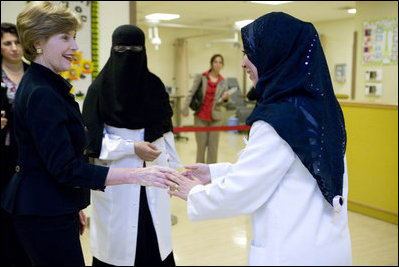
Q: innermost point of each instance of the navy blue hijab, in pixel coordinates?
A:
(296, 96)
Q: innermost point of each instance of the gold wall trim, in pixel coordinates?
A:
(367, 105)
(372, 211)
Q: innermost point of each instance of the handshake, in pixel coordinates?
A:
(179, 184)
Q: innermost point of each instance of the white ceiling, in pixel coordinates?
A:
(223, 14)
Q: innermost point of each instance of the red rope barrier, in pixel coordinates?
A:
(211, 129)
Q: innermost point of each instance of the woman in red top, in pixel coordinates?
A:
(214, 95)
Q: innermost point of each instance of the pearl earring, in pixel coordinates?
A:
(39, 51)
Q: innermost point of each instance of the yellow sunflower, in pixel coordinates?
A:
(74, 73)
(86, 66)
(76, 58)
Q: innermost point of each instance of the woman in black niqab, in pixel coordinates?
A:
(126, 94)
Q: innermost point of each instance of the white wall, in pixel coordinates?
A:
(107, 23)
(10, 10)
(338, 46)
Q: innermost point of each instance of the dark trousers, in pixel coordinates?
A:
(11, 250)
(51, 240)
(147, 250)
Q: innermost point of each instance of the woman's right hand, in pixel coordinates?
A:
(151, 176)
(146, 151)
(181, 185)
(200, 171)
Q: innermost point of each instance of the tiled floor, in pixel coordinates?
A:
(225, 241)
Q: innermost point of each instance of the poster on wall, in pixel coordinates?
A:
(84, 61)
(380, 41)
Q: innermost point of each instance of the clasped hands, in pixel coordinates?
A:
(180, 184)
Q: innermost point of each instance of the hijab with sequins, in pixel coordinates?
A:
(126, 94)
(297, 97)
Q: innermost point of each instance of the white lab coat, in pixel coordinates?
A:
(114, 218)
(292, 223)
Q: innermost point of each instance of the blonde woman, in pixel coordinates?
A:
(53, 179)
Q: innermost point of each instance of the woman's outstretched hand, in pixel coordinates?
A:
(200, 171)
(149, 176)
(181, 185)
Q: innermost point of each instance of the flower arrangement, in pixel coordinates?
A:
(79, 68)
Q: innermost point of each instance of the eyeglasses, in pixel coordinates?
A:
(123, 48)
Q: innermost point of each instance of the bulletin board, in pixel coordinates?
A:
(380, 41)
(85, 61)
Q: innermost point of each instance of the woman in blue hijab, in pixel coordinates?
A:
(292, 176)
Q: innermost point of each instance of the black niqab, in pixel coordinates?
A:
(126, 94)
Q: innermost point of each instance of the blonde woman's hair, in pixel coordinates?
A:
(42, 19)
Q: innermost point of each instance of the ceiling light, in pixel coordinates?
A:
(162, 16)
(271, 2)
(351, 10)
(242, 23)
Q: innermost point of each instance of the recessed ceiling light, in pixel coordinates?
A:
(162, 16)
(242, 23)
(351, 10)
(271, 2)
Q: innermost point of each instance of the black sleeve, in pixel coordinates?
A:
(48, 123)
(93, 122)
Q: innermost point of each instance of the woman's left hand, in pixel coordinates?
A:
(181, 185)
(82, 222)
(3, 119)
(225, 96)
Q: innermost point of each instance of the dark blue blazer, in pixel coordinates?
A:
(53, 177)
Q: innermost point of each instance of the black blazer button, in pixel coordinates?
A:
(17, 168)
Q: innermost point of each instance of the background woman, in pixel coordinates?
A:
(12, 70)
(214, 95)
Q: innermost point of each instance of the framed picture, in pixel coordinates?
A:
(373, 89)
(380, 41)
(340, 72)
(374, 75)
